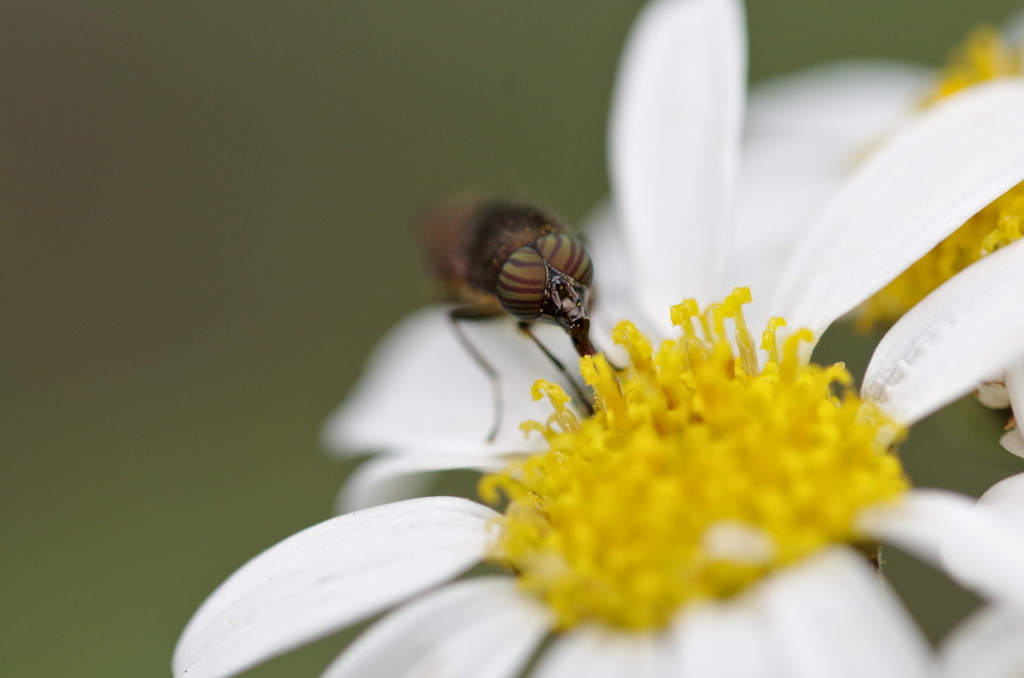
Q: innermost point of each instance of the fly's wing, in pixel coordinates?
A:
(441, 232)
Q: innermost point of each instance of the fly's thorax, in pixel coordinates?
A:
(496, 232)
(466, 240)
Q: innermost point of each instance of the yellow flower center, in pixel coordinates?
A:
(698, 474)
(984, 56)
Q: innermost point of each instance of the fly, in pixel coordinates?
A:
(500, 257)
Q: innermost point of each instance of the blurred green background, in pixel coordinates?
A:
(205, 211)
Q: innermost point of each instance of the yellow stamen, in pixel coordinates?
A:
(699, 473)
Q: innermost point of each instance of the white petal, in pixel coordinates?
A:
(833, 616)
(845, 105)
(987, 555)
(989, 562)
(423, 392)
(778, 192)
(606, 245)
(386, 479)
(965, 332)
(674, 145)
(919, 522)
(328, 576)
(1007, 499)
(613, 288)
(993, 394)
(987, 645)
(726, 639)
(1009, 491)
(485, 628)
(917, 188)
(1013, 440)
(597, 652)
(804, 135)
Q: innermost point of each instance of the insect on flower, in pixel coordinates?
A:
(498, 257)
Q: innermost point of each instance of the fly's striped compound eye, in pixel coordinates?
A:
(521, 283)
(566, 255)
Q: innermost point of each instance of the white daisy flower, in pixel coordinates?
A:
(675, 166)
(711, 517)
(707, 503)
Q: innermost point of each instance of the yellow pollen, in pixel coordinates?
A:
(698, 474)
(984, 56)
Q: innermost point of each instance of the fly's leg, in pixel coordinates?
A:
(584, 401)
(456, 315)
